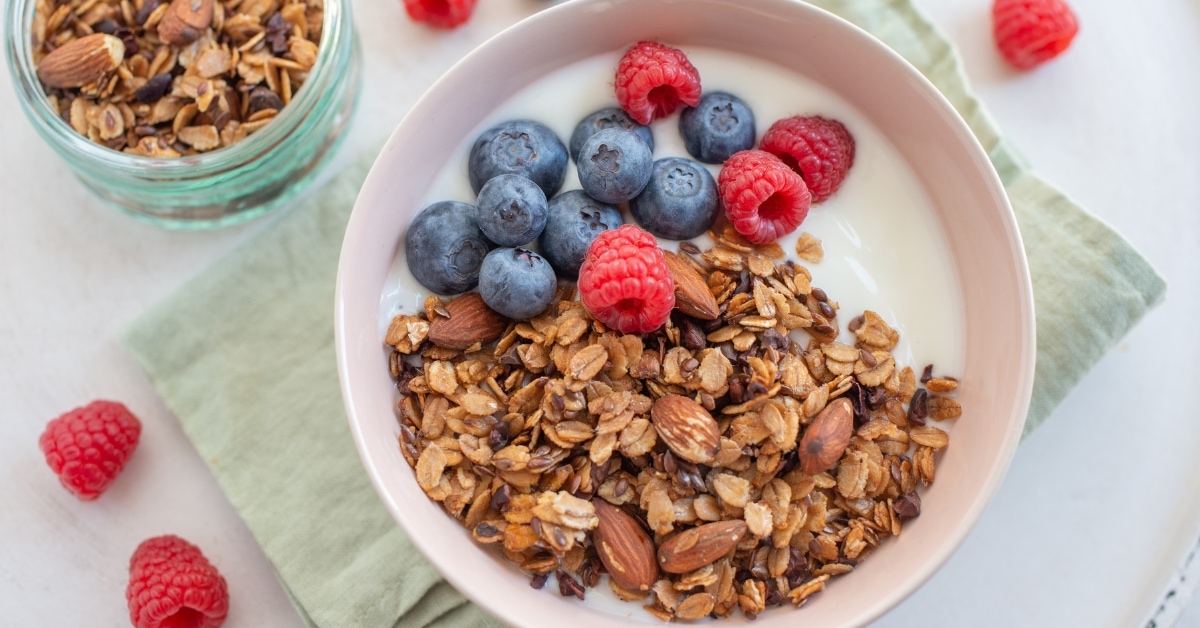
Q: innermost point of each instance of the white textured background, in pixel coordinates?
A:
(1092, 527)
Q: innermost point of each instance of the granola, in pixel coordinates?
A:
(173, 78)
(518, 439)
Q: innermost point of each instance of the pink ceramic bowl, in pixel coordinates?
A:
(969, 206)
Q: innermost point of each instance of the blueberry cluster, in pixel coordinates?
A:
(516, 169)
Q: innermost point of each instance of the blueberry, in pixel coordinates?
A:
(679, 202)
(517, 283)
(612, 117)
(719, 126)
(575, 220)
(511, 210)
(522, 147)
(444, 247)
(614, 165)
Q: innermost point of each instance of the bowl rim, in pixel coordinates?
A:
(358, 232)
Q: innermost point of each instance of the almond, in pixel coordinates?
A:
(469, 321)
(694, 548)
(687, 428)
(185, 21)
(692, 296)
(624, 548)
(827, 436)
(81, 61)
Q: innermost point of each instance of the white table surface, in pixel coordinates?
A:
(1093, 526)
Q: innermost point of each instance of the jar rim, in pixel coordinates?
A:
(18, 33)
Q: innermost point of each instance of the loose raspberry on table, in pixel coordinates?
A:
(653, 80)
(440, 13)
(87, 447)
(172, 585)
(819, 149)
(1031, 32)
(764, 198)
(625, 282)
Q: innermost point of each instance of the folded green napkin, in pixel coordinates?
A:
(244, 356)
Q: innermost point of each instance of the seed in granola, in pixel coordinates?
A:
(918, 408)
(108, 26)
(262, 98)
(501, 498)
(498, 436)
(154, 89)
(737, 390)
(693, 337)
(927, 374)
(145, 10)
(856, 323)
(858, 398)
(820, 295)
(876, 396)
(277, 31)
(824, 330)
(908, 506)
(669, 464)
(867, 358)
(774, 339)
(567, 585)
(539, 580)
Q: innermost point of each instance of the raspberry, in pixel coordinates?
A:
(1031, 32)
(653, 80)
(87, 447)
(172, 585)
(819, 149)
(764, 199)
(624, 281)
(440, 13)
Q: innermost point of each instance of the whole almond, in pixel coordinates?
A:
(827, 436)
(624, 547)
(692, 296)
(185, 21)
(694, 548)
(470, 321)
(687, 428)
(81, 61)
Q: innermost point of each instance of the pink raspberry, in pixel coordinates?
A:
(1031, 32)
(819, 149)
(653, 80)
(87, 447)
(440, 13)
(764, 199)
(172, 585)
(625, 282)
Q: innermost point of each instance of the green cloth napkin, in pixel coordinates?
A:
(244, 356)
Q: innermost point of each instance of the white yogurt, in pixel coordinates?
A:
(884, 249)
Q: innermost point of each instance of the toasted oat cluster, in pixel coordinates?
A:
(711, 465)
(172, 78)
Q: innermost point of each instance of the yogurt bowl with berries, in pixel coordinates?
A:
(598, 335)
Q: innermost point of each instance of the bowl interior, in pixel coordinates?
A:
(970, 206)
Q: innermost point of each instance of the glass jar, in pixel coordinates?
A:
(218, 188)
